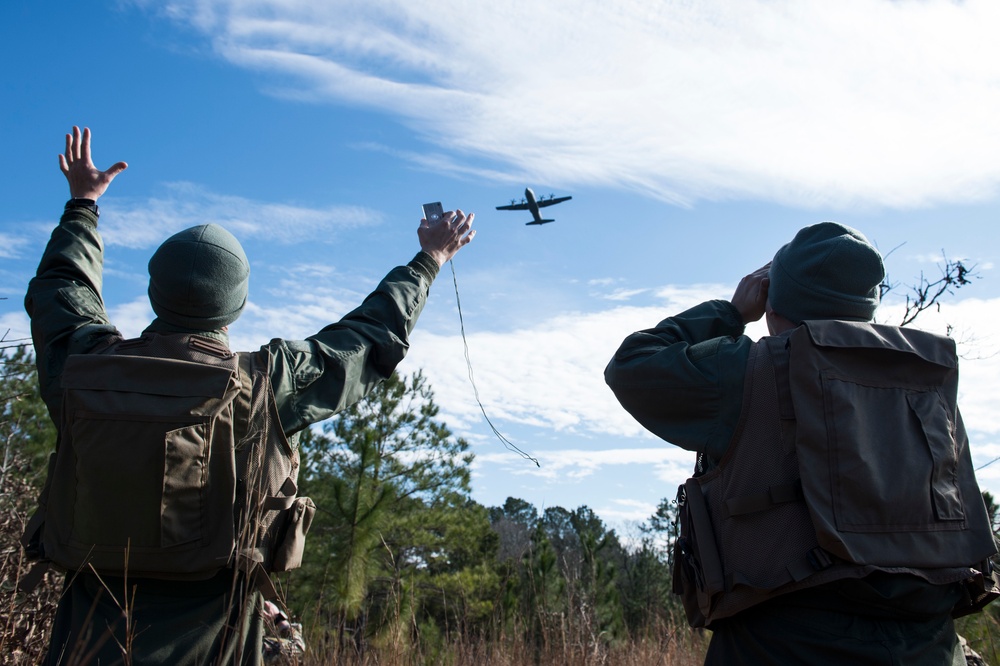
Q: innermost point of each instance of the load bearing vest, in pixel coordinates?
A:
(850, 457)
(171, 463)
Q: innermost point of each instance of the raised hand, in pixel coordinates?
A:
(85, 180)
(751, 294)
(442, 239)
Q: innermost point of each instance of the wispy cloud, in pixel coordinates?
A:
(131, 317)
(145, 223)
(621, 510)
(294, 313)
(440, 163)
(667, 462)
(11, 245)
(623, 294)
(14, 327)
(808, 103)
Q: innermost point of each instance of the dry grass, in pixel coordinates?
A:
(25, 618)
(673, 645)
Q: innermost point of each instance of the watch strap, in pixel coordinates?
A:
(89, 204)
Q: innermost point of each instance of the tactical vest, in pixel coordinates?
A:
(171, 463)
(849, 457)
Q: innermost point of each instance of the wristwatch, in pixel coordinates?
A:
(89, 204)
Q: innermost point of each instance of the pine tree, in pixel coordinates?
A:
(389, 482)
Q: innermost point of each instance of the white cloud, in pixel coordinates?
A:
(939, 259)
(141, 224)
(133, 317)
(14, 327)
(623, 294)
(669, 463)
(622, 511)
(808, 103)
(550, 374)
(293, 313)
(11, 245)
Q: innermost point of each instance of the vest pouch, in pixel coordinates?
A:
(698, 575)
(686, 578)
(288, 550)
(164, 489)
(884, 460)
(980, 590)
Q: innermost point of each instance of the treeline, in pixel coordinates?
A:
(399, 553)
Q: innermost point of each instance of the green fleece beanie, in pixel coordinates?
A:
(828, 271)
(198, 278)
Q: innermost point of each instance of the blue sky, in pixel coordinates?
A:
(695, 139)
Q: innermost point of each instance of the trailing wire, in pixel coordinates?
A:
(468, 361)
(987, 464)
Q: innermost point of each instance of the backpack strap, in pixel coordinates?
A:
(257, 575)
(242, 403)
(31, 537)
(289, 492)
(778, 348)
(257, 431)
(28, 582)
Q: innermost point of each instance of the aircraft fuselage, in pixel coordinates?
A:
(529, 196)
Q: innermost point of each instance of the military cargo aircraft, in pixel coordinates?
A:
(529, 202)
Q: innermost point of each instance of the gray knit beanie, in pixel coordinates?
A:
(828, 271)
(198, 278)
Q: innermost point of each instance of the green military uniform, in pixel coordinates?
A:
(684, 381)
(179, 622)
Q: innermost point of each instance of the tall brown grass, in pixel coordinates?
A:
(25, 619)
(673, 644)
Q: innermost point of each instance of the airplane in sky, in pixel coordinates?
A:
(529, 202)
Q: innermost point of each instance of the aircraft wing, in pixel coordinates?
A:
(520, 206)
(551, 202)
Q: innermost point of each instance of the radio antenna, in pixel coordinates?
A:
(468, 362)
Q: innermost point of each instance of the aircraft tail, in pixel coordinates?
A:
(538, 222)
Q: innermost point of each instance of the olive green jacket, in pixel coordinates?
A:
(683, 379)
(216, 621)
